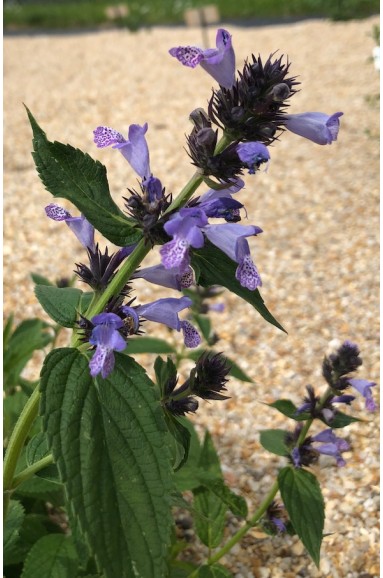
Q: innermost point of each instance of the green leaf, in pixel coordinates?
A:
(236, 504)
(46, 490)
(148, 345)
(36, 450)
(273, 440)
(288, 409)
(53, 556)
(165, 371)
(214, 571)
(302, 497)
(12, 527)
(29, 335)
(108, 438)
(187, 477)
(69, 173)
(61, 303)
(204, 324)
(33, 528)
(180, 440)
(211, 510)
(342, 420)
(216, 268)
(40, 279)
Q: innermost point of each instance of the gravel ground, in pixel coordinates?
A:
(318, 255)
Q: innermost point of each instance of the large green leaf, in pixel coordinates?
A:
(302, 497)
(71, 174)
(108, 438)
(53, 556)
(216, 268)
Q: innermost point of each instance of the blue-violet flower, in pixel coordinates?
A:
(219, 62)
(106, 337)
(80, 226)
(316, 126)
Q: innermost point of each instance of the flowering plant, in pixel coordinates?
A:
(114, 448)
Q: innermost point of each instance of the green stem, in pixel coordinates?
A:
(16, 443)
(308, 424)
(188, 190)
(242, 531)
(31, 470)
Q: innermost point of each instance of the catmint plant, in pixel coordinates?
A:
(105, 448)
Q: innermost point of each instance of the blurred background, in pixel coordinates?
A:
(65, 14)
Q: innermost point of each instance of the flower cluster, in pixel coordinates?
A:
(335, 369)
(251, 111)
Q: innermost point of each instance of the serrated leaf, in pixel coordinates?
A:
(61, 303)
(41, 489)
(111, 430)
(288, 409)
(303, 500)
(273, 440)
(33, 528)
(71, 174)
(216, 268)
(12, 527)
(214, 571)
(236, 504)
(53, 556)
(210, 523)
(148, 345)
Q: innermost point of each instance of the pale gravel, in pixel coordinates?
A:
(318, 255)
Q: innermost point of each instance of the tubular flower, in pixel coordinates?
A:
(106, 337)
(231, 239)
(80, 226)
(331, 445)
(171, 278)
(253, 154)
(363, 386)
(135, 150)
(219, 62)
(166, 311)
(315, 126)
(185, 228)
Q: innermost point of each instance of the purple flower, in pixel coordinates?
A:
(80, 226)
(171, 278)
(185, 228)
(134, 149)
(107, 339)
(231, 239)
(220, 204)
(363, 386)
(219, 62)
(253, 154)
(166, 311)
(331, 445)
(316, 126)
